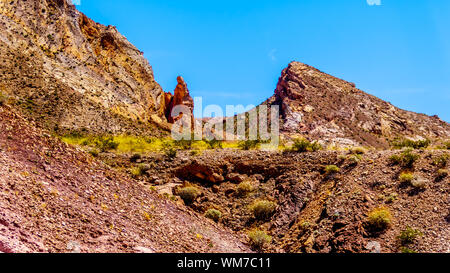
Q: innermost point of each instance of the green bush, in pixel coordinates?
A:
(263, 210)
(447, 145)
(409, 235)
(184, 144)
(248, 144)
(105, 144)
(244, 188)
(406, 159)
(406, 177)
(214, 144)
(441, 161)
(213, 214)
(304, 145)
(442, 173)
(188, 194)
(259, 238)
(379, 219)
(406, 250)
(331, 169)
(169, 151)
(355, 159)
(140, 170)
(408, 143)
(358, 150)
(3, 99)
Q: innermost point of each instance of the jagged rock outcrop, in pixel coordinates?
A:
(322, 107)
(71, 73)
(180, 96)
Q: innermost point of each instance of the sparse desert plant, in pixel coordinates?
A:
(94, 152)
(106, 143)
(214, 144)
(184, 144)
(213, 214)
(188, 194)
(406, 159)
(391, 198)
(259, 238)
(331, 169)
(139, 170)
(169, 151)
(441, 161)
(415, 144)
(441, 174)
(355, 159)
(358, 150)
(409, 235)
(263, 209)
(135, 157)
(248, 144)
(244, 188)
(303, 145)
(406, 177)
(379, 219)
(3, 99)
(447, 145)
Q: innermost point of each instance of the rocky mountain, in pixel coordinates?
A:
(57, 198)
(71, 73)
(321, 107)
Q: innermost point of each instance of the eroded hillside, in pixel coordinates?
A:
(56, 198)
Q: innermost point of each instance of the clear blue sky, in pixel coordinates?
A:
(232, 52)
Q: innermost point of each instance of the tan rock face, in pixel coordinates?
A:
(73, 73)
(322, 107)
(181, 97)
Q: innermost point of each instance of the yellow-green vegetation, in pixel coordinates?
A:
(379, 218)
(263, 209)
(244, 188)
(331, 169)
(189, 194)
(358, 150)
(408, 143)
(140, 170)
(406, 177)
(213, 214)
(406, 250)
(249, 144)
(409, 235)
(406, 159)
(447, 145)
(259, 238)
(441, 161)
(303, 145)
(391, 198)
(355, 159)
(142, 145)
(442, 173)
(3, 99)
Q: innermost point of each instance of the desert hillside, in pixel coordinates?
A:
(86, 164)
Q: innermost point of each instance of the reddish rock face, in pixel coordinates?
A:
(181, 97)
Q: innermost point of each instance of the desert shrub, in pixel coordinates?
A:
(259, 238)
(214, 144)
(263, 210)
(355, 159)
(391, 198)
(248, 144)
(406, 159)
(105, 144)
(169, 150)
(441, 161)
(244, 188)
(447, 145)
(188, 194)
(184, 144)
(442, 173)
(331, 169)
(406, 250)
(406, 177)
(409, 235)
(358, 150)
(94, 152)
(140, 170)
(303, 145)
(408, 143)
(379, 218)
(3, 99)
(213, 214)
(135, 157)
